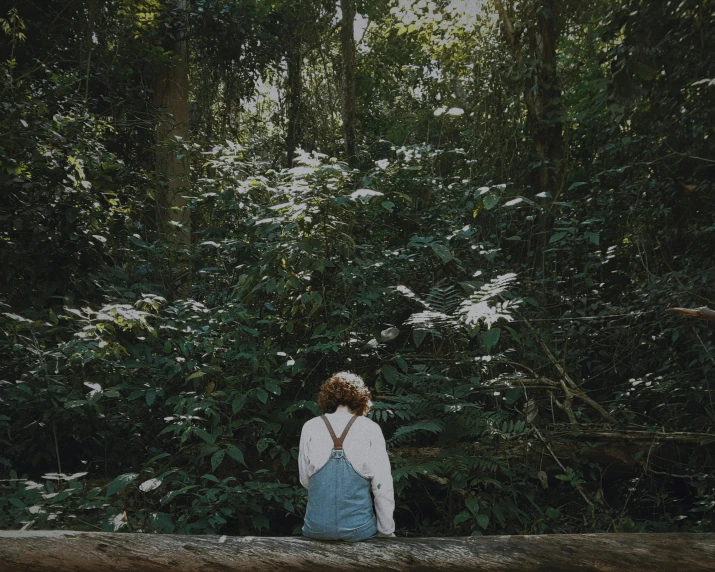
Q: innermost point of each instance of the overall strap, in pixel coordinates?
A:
(338, 441)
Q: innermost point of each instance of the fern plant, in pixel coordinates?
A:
(445, 312)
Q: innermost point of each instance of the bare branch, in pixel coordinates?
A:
(703, 313)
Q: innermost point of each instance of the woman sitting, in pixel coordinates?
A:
(340, 472)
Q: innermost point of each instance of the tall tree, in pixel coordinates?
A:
(294, 60)
(171, 98)
(347, 42)
(534, 48)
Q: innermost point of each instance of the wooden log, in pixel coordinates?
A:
(59, 551)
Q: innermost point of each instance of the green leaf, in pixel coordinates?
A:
(472, 505)
(490, 201)
(196, 374)
(514, 335)
(120, 482)
(441, 251)
(262, 395)
(491, 337)
(238, 403)
(388, 205)
(389, 334)
(167, 498)
(162, 521)
(556, 237)
(274, 386)
(483, 521)
(419, 337)
(260, 522)
(217, 459)
(389, 373)
(205, 435)
(461, 517)
(236, 454)
(150, 397)
(593, 237)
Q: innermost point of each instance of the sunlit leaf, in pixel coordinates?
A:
(150, 485)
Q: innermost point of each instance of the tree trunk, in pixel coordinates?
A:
(295, 86)
(171, 98)
(548, 120)
(347, 40)
(542, 89)
(58, 551)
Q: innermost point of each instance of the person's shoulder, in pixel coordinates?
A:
(369, 425)
(315, 420)
(312, 423)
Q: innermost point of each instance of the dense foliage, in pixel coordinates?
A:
(523, 368)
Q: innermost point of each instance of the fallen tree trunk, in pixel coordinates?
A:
(622, 450)
(58, 551)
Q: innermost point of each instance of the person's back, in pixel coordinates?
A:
(342, 459)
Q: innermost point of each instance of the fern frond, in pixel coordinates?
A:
(416, 470)
(429, 320)
(443, 300)
(382, 411)
(477, 308)
(406, 431)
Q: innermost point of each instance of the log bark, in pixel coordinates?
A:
(58, 551)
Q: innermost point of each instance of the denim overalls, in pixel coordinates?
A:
(339, 501)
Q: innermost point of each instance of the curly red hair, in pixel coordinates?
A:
(344, 388)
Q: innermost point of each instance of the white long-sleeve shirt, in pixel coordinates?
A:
(364, 447)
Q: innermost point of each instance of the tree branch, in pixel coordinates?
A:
(703, 313)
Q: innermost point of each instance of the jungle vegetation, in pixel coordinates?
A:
(483, 208)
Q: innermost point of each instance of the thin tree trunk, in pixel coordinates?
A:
(295, 86)
(549, 126)
(349, 106)
(90, 46)
(171, 98)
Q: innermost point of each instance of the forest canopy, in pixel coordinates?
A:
(484, 208)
